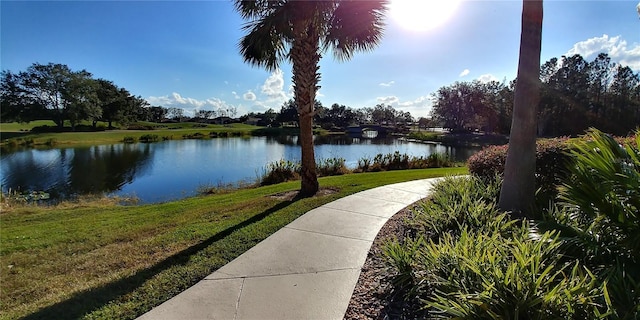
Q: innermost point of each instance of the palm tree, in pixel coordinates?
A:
(518, 188)
(300, 31)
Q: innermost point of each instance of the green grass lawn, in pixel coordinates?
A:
(19, 132)
(101, 261)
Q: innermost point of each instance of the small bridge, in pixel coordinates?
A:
(357, 130)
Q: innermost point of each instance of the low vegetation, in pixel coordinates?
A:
(99, 260)
(579, 260)
(286, 170)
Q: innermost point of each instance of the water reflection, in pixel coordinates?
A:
(67, 172)
(170, 170)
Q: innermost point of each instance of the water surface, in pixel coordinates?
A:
(171, 170)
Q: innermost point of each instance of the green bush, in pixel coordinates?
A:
(195, 135)
(149, 138)
(461, 202)
(331, 167)
(51, 142)
(552, 156)
(425, 136)
(280, 171)
(129, 139)
(598, 215)
(486, 276)
(398, 161)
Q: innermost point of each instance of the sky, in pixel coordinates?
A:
(185, 53)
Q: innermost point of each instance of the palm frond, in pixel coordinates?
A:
(255, 9)
(268, 35)
(355, 25)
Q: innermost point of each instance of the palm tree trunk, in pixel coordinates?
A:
(305, 58)
(518, 189)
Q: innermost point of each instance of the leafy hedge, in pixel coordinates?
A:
(552, 157)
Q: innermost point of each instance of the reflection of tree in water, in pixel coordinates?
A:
(283, 139)
(68, 172)
(106, 168)
(332, 140)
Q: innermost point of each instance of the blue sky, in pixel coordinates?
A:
(184, 54)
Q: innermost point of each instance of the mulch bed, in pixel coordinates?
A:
(374, 296)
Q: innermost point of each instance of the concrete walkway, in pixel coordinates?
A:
(306, 270)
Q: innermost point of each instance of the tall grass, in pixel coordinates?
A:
(398, 161)
(286, 170)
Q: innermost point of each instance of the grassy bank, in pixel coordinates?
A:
(100, 261)
(16, 134)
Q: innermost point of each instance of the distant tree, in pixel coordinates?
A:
(424, 123)
(339, 116)
(577, 94)
(288, 112)
(45, 85)
(157, 114)
(16, 103)
(299, 31)
(383, 114)
(175, 113)
(80, 98)
(624, 109)
(465, 106)
(518, 187)
(118, 105)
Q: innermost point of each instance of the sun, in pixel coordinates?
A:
(422, 15)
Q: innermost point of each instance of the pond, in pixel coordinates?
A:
(170, 170)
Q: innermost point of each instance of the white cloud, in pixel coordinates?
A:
(616, 47)
(249, 96)
(487, 78)
(235, 94)
(390, 100)
(464, 72)
(419, 107)
(191, 105)
(387, 84)
(273, 87)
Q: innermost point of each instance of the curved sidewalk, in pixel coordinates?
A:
(306, 270)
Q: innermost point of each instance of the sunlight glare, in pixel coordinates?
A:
(422, 15)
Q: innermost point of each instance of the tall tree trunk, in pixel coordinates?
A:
(305, 58)
(518, 189)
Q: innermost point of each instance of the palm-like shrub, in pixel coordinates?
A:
(603, 193)
(598, 216)
(487, 276)
(461, 202)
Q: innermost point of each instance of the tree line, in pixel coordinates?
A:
(338, 116)
(574, 95)
(55, 92)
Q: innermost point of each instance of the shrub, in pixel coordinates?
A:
(332, 167)
(425, 136)
(51, 142)
(280, 171)
(598, 215)
(480, 275)
(552, 155)
(456, 203)
(12, 143)
(195, 135)
(129, 139)
(149, 138)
